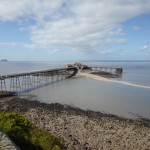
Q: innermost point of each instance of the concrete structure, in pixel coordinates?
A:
(6, 143)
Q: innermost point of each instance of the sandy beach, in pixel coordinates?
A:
(83, 130)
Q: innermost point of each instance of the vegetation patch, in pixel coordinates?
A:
(26, 135)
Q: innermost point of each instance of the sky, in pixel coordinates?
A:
(74, 30)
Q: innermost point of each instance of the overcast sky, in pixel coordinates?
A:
(48, 30)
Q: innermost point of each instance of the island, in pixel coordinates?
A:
(4, 60)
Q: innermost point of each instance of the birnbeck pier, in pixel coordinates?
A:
(110, 72)
(26, 81)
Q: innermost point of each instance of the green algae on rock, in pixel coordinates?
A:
(27, 136)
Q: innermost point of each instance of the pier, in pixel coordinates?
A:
(27, 81)
(24, 82)
(112, 71)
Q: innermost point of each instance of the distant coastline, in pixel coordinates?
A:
(4, 60)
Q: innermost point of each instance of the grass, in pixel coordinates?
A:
(26, 135)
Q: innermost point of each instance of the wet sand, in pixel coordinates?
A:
(96, 77)
(83, 130)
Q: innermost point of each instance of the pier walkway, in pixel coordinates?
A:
(22, 82)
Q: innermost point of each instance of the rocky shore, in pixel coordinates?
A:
(83, 130)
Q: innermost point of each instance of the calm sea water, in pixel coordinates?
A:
(114, 98)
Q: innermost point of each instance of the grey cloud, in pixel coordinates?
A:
(12, 10)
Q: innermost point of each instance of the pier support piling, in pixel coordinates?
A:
(2, 85)
(15, 84)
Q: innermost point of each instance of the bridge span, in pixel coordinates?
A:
(26, 81)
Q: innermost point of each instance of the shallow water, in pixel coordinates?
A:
(133, 72)
(96, 95)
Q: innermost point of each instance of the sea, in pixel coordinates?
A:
(127, 96)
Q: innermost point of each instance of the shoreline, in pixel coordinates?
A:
(83, 129)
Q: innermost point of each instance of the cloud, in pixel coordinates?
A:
(89, 25)
(116, 40)
(79, 25)
(51, 51)
(145, 47)
(136, 28)
(12, 10)
(11, 44)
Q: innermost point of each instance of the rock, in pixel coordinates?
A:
(6, 143)
(84, 130)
